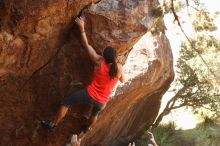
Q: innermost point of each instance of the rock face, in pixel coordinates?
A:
(42, 61)
(135, 104)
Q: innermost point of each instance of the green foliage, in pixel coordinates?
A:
(164, 134)
(202, 43)
(158, 27)
(204, 21)
(194, 92)
(198, 137)
(207, 133)
(198, 87)
(187, 53)
(168, 135)
(209, 120)
(197, 78)
(178, 5)
(209, 48)
(156, 11)
(197, 2)
(195, 85)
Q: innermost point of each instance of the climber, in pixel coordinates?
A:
(107, 72)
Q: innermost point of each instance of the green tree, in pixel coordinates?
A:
(191, 92)
(197, 81)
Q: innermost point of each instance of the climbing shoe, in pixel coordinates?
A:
(86, 129)
(49, 125)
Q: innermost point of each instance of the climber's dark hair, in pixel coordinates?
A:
(110, 56)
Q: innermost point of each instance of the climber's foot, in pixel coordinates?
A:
(48, 124)
(86, 129)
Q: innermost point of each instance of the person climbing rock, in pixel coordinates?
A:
(107, 72)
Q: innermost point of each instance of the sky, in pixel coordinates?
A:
(184, 118)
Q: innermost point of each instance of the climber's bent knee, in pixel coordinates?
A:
(97, 108)
(80, 96)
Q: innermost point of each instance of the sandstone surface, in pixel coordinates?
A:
(42, 61)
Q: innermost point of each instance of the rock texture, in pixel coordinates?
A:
(135, 104)
(42, 61)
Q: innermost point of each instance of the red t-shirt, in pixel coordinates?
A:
(101, 86)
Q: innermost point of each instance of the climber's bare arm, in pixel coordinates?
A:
(92, 53)
(121, 74)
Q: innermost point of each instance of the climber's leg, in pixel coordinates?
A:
(77, 97)
(92, 120)
(60, 114)
(58, 117)
(97, 107)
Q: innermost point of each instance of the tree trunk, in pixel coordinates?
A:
(165, 112)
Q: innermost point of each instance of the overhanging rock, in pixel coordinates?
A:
(42, 61)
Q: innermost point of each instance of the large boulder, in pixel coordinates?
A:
(135, 104)
(42, 61)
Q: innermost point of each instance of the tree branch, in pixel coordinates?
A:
(191, 44)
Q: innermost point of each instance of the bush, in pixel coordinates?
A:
(206, 133)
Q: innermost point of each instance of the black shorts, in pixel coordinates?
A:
(82, 96)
